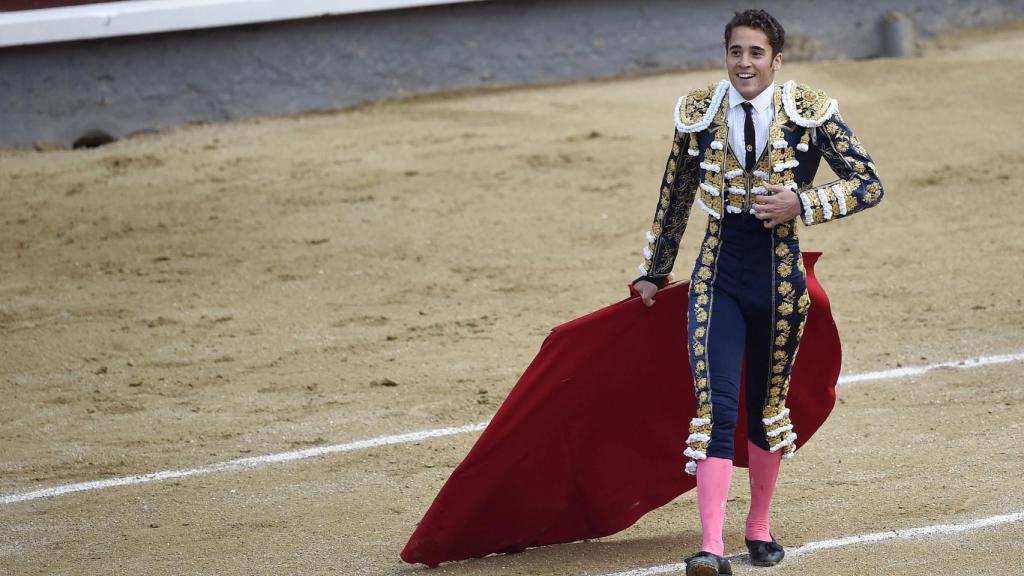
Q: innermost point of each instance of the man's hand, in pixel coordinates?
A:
(781, 207)
(647, 291)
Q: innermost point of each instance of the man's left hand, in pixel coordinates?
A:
(778, 208)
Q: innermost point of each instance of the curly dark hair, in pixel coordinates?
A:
(759, 20)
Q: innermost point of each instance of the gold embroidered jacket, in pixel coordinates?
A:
(806, 128)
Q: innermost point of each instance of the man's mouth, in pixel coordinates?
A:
(744, 76)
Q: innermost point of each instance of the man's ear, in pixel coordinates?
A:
(777, 62)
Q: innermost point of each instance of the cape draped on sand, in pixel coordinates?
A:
(591, 438)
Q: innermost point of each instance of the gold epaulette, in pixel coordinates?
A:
(806, 106)
(695, 111)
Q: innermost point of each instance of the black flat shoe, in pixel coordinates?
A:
(707, 564)
(765, 553)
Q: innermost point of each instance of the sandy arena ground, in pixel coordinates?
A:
(215, 292)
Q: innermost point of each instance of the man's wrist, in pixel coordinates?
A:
(656, 281)
(798, 206)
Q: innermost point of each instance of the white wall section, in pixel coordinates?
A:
(153, 16)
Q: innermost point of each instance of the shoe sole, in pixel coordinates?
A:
(701, 570)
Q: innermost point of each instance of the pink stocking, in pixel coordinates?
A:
(764, 470)
(713, 477)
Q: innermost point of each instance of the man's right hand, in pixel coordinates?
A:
(647, 290)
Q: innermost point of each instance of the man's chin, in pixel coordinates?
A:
(748, 88)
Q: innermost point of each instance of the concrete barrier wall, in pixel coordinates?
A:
(57, 92)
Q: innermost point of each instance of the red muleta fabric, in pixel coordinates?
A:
(591, 438)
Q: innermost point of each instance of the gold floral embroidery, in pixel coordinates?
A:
(673, 210)
(788, 327)
(858, 187)
(703, 276)
(872, 193)
(696, 104)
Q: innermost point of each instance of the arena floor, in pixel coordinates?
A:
(179, 300)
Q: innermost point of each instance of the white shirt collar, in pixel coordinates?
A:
(761, 102)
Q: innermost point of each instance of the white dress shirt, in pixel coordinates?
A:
(762, 114)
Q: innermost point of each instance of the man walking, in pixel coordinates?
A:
(746, 150)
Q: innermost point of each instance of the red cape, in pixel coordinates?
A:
(591, 438)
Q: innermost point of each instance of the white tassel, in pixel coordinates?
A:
(650, 236)
(758, 190)
(784, 165)
(734, 174)
(709, 189)
(761, 174)
(691, 468)
(808, 213)
(711, 167)
(790, 451)
(693, 152)
(787, 442)
(708, 209)
(838, 191)
(709, 115)
(779, 144)
(716, 145)
(802, 147)
(694, 454)
(776, 418)
(737, 191)
(698, 437)
(733, 209)
(643, 270)
(826, 206)
(700, 421)
(647, 252)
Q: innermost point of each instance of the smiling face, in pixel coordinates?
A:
(750, 62)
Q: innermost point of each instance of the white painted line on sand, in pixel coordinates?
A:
(241, 463)
(812, 547)
(918, 370)
(256, 461)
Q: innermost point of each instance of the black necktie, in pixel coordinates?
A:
(748, 134)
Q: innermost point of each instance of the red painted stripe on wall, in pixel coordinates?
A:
(15, 5)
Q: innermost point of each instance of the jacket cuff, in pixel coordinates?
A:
(823, 203)
(657, 281)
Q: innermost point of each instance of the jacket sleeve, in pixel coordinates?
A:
(858, 186)
(678, 189)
